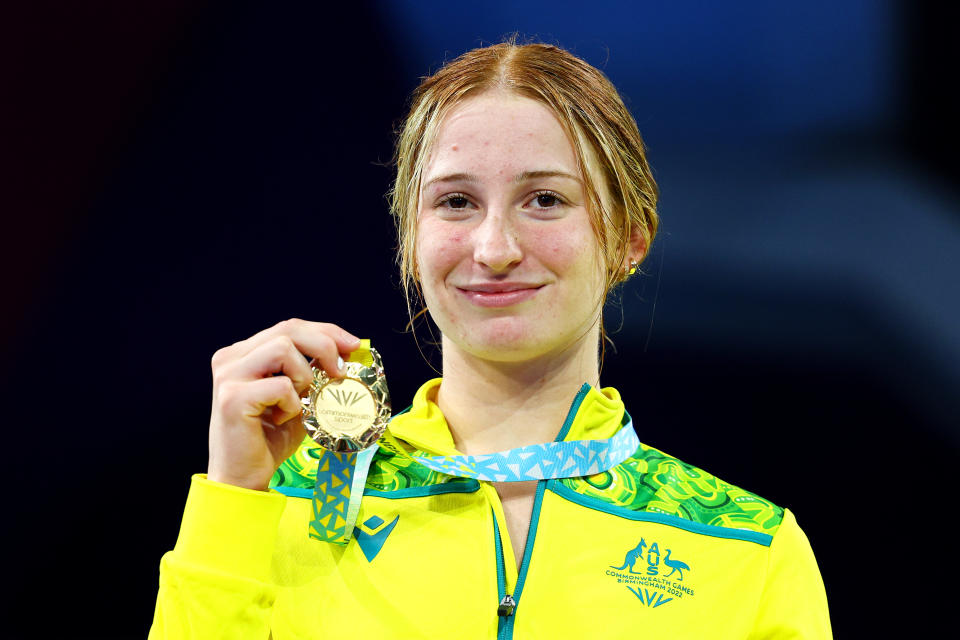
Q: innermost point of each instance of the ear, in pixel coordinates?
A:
(638, 248)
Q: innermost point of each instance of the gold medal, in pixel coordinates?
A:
(348, 413)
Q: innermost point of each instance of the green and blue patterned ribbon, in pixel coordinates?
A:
(564, 459)
(337, 493)
(342, 476)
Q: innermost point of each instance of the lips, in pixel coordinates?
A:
(499, 294)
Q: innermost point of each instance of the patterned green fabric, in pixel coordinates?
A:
(652, 481)
(388, 472)
(299, 471)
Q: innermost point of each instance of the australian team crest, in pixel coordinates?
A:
(655, 577)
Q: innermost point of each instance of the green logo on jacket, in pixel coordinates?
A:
(655, 578)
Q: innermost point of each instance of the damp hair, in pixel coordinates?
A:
(620, 191)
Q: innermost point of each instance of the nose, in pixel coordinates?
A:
(496, 242)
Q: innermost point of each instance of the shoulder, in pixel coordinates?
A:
(388, 472)
(391, 472)
(654, 483)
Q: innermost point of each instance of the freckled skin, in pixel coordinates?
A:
(504, 234)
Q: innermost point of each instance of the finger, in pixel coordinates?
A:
(249, 401)
(284, 408)
(306, 335)
(281, 417)
(278, 356)
(322, 351)
(284, 439)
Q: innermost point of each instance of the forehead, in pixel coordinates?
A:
(500, 134)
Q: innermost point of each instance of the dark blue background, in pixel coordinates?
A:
(186, 174)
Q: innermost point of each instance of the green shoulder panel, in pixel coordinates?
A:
(299, 471)
(391, 472)
(652, 481)
(388, 472)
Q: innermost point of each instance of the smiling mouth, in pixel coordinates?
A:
(499, 295)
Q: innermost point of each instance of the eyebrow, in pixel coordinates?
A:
(454, 177)
(531, 175)
(520, 178)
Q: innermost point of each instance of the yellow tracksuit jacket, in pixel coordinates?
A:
(652, 548)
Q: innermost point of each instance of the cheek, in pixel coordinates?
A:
(436, 252)
(568, 251)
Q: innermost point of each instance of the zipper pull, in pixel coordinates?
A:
(507, 605)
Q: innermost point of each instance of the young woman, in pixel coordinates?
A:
(522, 196)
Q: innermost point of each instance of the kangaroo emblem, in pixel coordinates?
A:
(675, 565)
(633, 555)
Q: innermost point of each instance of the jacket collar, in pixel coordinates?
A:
(593, 415)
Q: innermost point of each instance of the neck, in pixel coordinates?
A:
(494, 406)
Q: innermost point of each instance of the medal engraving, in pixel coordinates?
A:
(348, 413)
(345, 406)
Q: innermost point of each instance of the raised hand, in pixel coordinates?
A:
(255, 420)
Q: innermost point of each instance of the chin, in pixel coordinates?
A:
(505, 354)
(509, 343)
(501, 340)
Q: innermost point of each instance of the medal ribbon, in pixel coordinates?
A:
(337, 493)
(564, 459)
(340, 480)
(342, 476)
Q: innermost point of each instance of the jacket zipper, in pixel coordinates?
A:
(504, 598)
(509, 602)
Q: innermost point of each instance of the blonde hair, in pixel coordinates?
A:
(605, 139)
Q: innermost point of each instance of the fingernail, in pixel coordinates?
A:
(340, 364)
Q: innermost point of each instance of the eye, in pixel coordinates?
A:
(455, 201)
(547, 200)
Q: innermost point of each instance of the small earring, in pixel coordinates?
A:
(633, 267)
